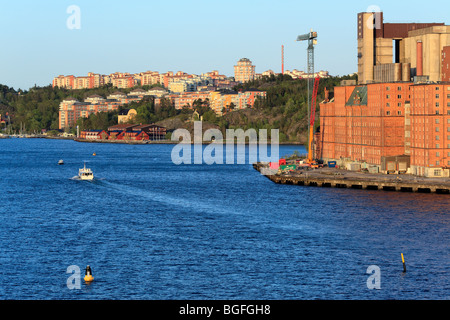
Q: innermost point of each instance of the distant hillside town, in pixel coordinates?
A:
(177, 82)
(181, 89)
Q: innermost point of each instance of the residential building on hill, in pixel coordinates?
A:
(244, 71)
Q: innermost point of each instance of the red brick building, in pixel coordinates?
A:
(364, 123)
(430, 129)
(374, 123)
(445, 65)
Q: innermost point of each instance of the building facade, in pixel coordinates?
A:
(371, 123)
(244, 71)
(430, 129)
(399, 51)
(364, 123)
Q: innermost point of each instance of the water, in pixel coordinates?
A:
(153, 230)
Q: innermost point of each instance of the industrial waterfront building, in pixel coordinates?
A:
(399, 51)
(397, 118)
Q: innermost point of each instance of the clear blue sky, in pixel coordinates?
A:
(194, 36)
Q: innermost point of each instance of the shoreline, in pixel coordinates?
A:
(167, 142)
(138, 142)
(338, 178)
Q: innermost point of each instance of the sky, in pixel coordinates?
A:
(41, 39)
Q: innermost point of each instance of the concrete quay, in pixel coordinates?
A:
(338, 178)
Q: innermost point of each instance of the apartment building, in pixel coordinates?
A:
(244, 71)
(124, 82)
(70, 109)
(150, 78)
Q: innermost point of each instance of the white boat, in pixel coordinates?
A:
(61, 162)
(85, 173)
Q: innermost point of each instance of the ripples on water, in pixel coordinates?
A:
(153, 230)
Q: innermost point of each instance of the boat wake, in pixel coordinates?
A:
(167, 199)
(77, 178)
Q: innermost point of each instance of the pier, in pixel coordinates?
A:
(338, 178)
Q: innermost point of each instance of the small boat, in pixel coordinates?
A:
(61, 162)
(85, 173)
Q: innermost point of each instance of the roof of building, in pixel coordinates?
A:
(137, 90)
(358, 97)
(226, 91)
(143, 126)
(253, 90)
(94, 96)
(122, 126)
(124, 112)
(157, 89)
(118, 93)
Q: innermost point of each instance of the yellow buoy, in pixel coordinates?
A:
(94, 154)
(88, 278)
(88, 275)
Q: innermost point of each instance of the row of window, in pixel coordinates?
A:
(388, 113)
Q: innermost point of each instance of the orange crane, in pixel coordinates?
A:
(312, 120)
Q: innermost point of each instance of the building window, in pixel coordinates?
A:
(388, 104)
(388, 96)
(437, 129)
(388, 113)
(437, 137)
(437, 96)
(437, 88)
(399, 104)
(438, 154)
(399, 96)
(399, 88)
(399, 113)
(437, 172)
(437, 121)
(389, 88)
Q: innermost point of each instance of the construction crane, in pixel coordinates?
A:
(311, 37)
(312, 120)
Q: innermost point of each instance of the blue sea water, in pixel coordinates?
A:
(151, 229)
